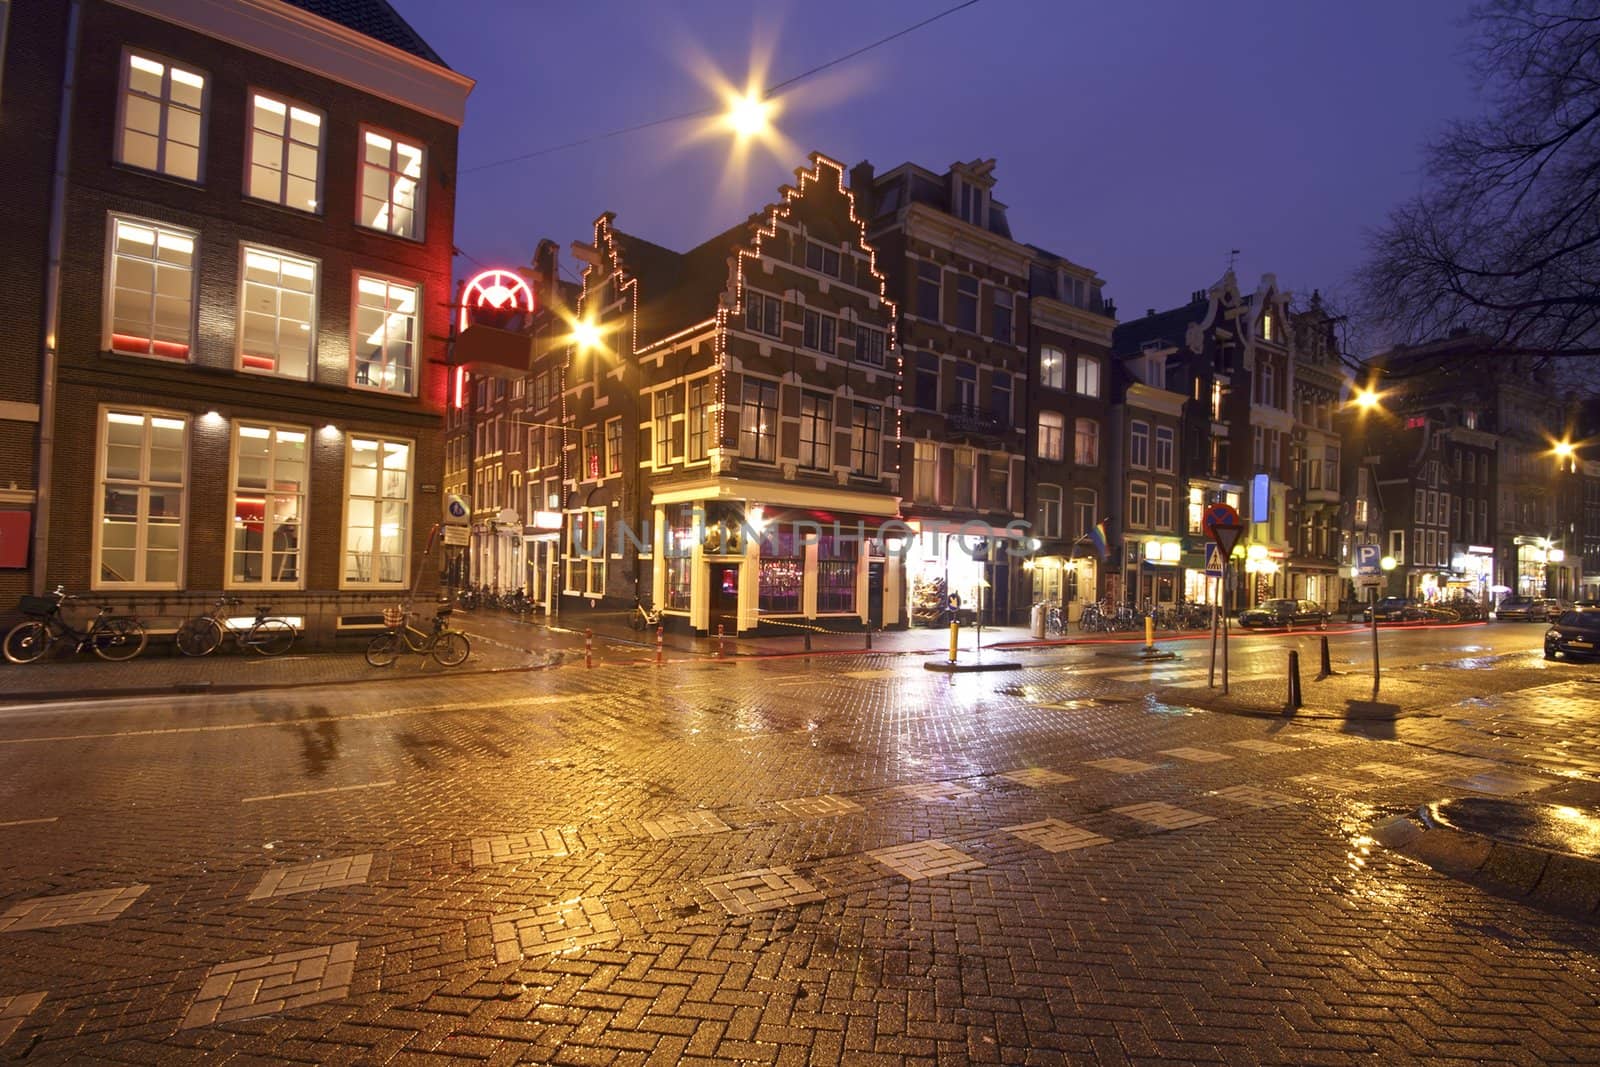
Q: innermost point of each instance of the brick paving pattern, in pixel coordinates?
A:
(1053, 835)
(1118, 765)
(819, 807)
(69, 909)
(748, 892)
(1196, 755)
(287, 879)
(1037, 777)
(266, 985)
(744, 932)
(14, 1009)
(925, 859)
(688, 824)
(1162, 815)
(556, 927)
(514, 848)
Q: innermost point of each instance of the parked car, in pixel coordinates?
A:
(1529, 609)
(1284, 612)
(1574, 634)
(1396, 609)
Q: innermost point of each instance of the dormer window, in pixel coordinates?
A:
(972, 203)
(1269, 326)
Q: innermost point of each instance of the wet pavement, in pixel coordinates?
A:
(790, 859)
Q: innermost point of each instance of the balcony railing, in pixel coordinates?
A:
(965, 418)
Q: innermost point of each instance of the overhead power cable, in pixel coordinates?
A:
(705, 111)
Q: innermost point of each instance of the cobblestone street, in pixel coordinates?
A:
(836, 859)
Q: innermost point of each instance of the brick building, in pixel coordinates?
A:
(962, 286)
(729, 440)
(247, 385)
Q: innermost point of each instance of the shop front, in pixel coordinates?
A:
(954, 569)
(1263, 571)
(784, 562)
(1153, 571)
(1064, 580)
(541, 549)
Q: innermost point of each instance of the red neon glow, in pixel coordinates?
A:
(144, 346)
(496, 290)
(459, 390)
(259, 362)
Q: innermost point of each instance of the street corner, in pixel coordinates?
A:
(1547, 855)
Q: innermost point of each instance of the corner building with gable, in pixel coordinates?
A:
(730, 454)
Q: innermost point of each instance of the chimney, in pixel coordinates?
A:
(546, 268)
(861, 178)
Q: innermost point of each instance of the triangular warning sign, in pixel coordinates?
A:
(1226, 538)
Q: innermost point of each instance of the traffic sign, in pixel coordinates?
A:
(1367, 559)
(456, 512)
(1221, 524)
(1214, 558)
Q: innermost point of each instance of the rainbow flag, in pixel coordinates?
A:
(1097, 538)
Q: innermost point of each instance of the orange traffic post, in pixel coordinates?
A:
(588, 648)
(955, 638)
(658, 646)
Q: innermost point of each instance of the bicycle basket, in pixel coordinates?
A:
(393, 617)
(37, 606)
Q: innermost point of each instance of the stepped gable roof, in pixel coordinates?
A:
(375, 19)
(677, 289)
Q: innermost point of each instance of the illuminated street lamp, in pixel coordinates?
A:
(748, 115)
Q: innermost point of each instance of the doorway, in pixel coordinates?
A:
(725, 598)
(875, 596)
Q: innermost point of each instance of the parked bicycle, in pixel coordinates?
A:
(112, 637)
(450, 648)
(643, 618)
(204, 634)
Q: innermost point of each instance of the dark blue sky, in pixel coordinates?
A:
(1143, 139)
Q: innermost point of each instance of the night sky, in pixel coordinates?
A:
(1142, 139)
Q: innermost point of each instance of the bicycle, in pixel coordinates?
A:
(450, 648)
(643, 618)
(204, 634)
(1055, 621)
(112, 637)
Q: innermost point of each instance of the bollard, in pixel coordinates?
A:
(869, 640)
(1293, 703)
(658, 645)
(720, 628)
(1149, 632)
(1327, 664)
(955, 637)
(588, 648)
(808, 640)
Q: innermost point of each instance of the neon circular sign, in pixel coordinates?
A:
(495, 294)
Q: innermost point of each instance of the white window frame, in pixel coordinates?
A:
(1049, 531)
(108, 328)
(1093, 437)
(1139, 504)
(285, 150)
(311, 341)
(1058, 379)
(373, 582)
(1162, 501)
(1052, 436)
(417, 327)
(140, 485)
(1166, 450)
(1087, 381)
(925, 471)
(165, 104)
(418, 228)
(267, 494)
(866, 438)
(1139, 444)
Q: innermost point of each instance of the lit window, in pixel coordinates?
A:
(377, 516)
(699, 420)
(613, 447)
(866, 438)
(1052, 368)
(1086, 443)
(758, 421)
(277, 313)
(151, 289)
(141, 503)
(1088, 376)
(925, 471)
(816, 430)
(285, 154)
(386, 332)
(163, 108)
(268, 506)
(668, 418)
(391, 184)
(1052, 435)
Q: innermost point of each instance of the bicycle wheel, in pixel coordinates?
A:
(270, 637)
(27, 642)
(199, 637)
(451, 648)
(119, 639)
(383, 649)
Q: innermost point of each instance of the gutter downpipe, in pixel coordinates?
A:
(52, 308)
